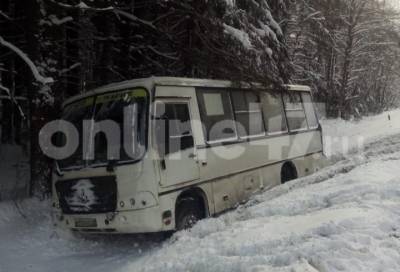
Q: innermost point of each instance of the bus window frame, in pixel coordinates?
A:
(307, 127)
(165, 101)
(237, 139)
(200, 91)
(149, 103)
(249, 112)
(313, 108)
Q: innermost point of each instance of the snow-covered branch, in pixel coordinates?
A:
(165, 55)
(239, 35)
(5, 15)
(39, 78)
(54, 20)
(132, 17)
(72, 67)
(119, 13)
(81, 5)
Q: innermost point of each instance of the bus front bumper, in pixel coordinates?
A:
(134, 221)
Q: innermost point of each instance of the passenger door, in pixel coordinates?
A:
(175, 142)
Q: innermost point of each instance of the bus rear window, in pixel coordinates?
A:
(310, 112)
(274, 115)
(295, 112)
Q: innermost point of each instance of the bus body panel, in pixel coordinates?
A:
(227, 160)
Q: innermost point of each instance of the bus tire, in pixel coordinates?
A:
(288, 172)
(188, 214)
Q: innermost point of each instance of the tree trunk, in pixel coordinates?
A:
(32, 19)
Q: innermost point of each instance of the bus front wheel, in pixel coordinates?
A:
(188, 214)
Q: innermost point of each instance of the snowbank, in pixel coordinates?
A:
(29, 242)
(14, 172)
(350, 222)
(344, 137)
(344, 218)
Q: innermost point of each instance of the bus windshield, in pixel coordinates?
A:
(126, 110)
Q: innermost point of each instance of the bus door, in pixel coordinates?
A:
(177, 154)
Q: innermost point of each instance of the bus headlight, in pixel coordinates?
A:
(139, 201)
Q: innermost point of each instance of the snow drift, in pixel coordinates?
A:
(344, 218)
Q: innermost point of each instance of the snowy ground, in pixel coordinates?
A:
(344, 218)
(342, 138)
(14, 171)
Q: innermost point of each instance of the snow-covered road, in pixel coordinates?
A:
(344, 218)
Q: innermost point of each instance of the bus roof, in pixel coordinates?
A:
(150, 82)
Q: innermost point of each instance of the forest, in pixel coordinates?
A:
(348, 51)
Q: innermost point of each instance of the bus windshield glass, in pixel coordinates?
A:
(112, 121)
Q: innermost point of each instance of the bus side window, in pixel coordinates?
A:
(310, 110)
(173, 130)
(274, 115)
(217, 115)
(248, 113)
(295, 112)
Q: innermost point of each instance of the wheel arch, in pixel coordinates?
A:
(197, 194)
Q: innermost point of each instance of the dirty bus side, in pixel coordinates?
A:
(184, 151)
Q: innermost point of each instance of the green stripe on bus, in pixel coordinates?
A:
(87, 102)
(121, 95)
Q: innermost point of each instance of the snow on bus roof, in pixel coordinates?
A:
(150, 82)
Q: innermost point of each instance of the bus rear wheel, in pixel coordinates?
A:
(288, 172)
(188, 214)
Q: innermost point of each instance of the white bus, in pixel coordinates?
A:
(200, 147)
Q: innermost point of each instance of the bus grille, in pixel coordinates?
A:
(87, 196)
